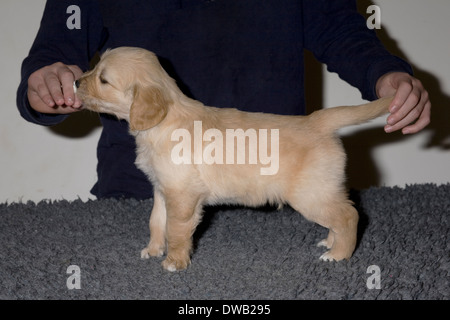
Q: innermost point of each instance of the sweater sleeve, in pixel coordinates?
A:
(71, 32)
(338, 36)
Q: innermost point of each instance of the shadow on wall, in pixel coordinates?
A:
(78, 125)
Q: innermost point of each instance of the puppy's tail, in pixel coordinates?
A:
(332, 119)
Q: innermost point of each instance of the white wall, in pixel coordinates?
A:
(37, 162)
(59, 163)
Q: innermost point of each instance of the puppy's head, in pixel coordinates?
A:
(130, 84)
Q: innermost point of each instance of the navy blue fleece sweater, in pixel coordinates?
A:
(225, 53)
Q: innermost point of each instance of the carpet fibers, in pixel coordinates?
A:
(240, 253)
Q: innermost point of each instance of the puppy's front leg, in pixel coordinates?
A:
(157, 244)
(183, 216)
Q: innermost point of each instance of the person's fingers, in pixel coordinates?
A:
(77, 72)
(412, 116)
(421, 123)
(67, 76)
(54, 87)
(401, 95)
(41, 92)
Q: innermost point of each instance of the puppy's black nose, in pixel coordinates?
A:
(77, 83)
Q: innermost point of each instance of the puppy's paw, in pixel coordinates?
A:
(332, 255)
(175, 265)
(324, 243)
(327, 256)
(145, 254)
(152, 251)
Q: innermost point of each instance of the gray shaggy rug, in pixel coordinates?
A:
(91, 250)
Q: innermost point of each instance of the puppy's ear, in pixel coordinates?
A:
(148, 109)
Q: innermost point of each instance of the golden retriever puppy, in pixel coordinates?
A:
(196, 155)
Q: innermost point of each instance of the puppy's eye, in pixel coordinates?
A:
(103, 80)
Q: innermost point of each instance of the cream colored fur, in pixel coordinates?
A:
(131, 84)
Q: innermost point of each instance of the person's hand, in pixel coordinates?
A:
(411, 107)
(50, 89)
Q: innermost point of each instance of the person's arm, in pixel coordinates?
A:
(338, 36)
(57, 57)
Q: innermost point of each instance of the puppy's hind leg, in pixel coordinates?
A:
(318, 194)
(343, 230)
(338, 215)
(328, 242)
(157, 244)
